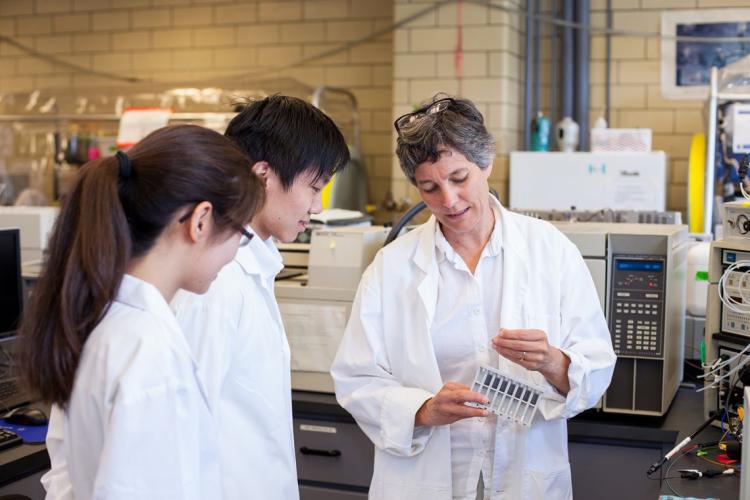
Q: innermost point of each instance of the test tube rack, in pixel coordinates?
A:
(508, 397)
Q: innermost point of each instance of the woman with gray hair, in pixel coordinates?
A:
(475, 286)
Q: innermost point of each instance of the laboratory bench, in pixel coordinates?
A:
(609, 454)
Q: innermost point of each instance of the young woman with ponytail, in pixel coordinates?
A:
(99, 340)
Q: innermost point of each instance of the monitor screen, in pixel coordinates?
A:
(11, 287)
(640, 265)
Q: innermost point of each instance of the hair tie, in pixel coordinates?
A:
(125, 168)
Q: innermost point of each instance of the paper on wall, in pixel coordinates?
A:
(137, 123)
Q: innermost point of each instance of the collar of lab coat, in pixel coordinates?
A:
(491, 249)
(142, 295)
(260, 257)
(515, 265)
(510, 233)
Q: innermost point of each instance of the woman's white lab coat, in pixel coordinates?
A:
(386, 368)
(138, 424)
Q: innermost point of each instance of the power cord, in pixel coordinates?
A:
(697, 474)
(742, 172)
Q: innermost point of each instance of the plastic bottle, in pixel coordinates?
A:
(697, 278)
(540, 129)
(94, 152)
(567, 135)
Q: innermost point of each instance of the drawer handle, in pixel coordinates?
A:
(321, 453)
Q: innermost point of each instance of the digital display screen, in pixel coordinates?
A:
(639, 265)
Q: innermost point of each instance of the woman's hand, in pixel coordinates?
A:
(447, 406)
(530, 349)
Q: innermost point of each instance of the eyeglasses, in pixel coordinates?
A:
(247, 236)
(432, 108)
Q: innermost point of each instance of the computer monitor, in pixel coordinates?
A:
(11, 285)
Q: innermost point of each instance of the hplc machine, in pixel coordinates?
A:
(639, 273)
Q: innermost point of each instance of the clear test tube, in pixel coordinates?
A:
(522, 404)
(487, 383)
(527, 406)
(516, 402)
(502, 394)
(510, 389)
(495, 393)
(534, 400)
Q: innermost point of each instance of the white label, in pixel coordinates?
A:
(741, 132)
(317, 428)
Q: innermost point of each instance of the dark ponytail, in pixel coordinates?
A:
(116, 210)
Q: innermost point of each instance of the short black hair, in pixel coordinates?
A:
(291, 135)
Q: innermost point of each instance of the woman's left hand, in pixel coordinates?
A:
(530, 349)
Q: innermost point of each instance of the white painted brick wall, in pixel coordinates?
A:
(203, 39)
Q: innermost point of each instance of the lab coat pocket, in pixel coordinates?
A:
(543, 484)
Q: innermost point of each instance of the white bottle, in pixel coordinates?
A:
(567, 135)
(600, 122)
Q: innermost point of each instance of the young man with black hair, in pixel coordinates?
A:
(235, 329)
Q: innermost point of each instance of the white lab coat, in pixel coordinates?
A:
(386, 368)
(236, 334)
(138, 424)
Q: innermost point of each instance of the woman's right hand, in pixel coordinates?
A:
(447, 406)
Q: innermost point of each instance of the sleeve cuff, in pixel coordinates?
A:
(399, 435)
(555, 405)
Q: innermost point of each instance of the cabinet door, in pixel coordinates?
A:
(316, 493)
(333, 453)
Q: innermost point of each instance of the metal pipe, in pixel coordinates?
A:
(567, 60)
(708, 181)
(528, 75)
(608, 69)
(583, 44)
(537, 102)
(554, 81)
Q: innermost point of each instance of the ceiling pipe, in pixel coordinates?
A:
(528, 56)
(583, 52)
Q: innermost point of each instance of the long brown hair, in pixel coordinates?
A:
(111, 216)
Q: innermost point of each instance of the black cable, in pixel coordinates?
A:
(410, 214)
(54, 60)
(737, 377)
(398, 226)
(659, 463)
(742, 227)
(669, 468)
